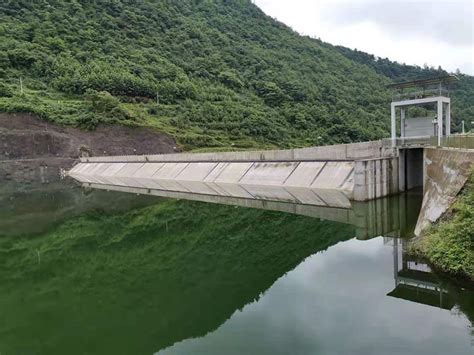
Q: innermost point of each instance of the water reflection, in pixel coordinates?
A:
(415, 281)
(120, 273)
(336, 303)
(395, 215)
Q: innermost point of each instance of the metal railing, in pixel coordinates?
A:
(420, 94)
(461, 141)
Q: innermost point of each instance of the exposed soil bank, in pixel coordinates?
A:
(23, 136)
(33, 150)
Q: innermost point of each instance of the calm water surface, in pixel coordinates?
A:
(96, 272)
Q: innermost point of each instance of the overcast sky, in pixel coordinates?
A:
(436, 32)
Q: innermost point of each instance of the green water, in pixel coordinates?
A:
(96, 272)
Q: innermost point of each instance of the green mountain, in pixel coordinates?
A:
(215, 74)
(462, 94)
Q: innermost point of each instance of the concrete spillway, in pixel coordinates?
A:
(318, 183)
(323, 176)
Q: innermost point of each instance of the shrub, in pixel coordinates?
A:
(5, 90)
(88, 121)
(101, 101)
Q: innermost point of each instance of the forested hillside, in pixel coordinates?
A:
(462, 92)
(215, 74)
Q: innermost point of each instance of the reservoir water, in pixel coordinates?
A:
(86, 271)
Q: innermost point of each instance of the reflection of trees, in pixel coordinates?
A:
(138, 281)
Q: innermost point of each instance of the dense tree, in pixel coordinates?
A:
(215, 73)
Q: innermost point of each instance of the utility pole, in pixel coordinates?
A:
(157, 98)
(463, 131)
(21, 86)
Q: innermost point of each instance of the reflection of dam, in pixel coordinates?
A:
(415, 281)
(371, 218)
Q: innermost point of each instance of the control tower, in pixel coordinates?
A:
(422, 108)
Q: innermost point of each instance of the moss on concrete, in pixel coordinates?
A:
(449, 244)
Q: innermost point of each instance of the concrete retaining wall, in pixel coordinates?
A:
(446, 172)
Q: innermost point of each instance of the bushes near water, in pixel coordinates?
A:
(449, 245)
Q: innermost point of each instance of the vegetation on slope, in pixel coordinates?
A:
(211, 73)
(462, 92)
(449, 245)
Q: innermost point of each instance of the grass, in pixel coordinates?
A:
(449, 244)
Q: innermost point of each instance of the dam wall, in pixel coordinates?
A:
(318, 183)
(446, 171)
(323, 176)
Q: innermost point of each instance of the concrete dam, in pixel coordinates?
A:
(324, 176)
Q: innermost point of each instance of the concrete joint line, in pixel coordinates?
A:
(246, 171)
(182, 186)
(318, 173)
(220, 172)
(375, 180)
(346, 178)
(119, 170)
(141, 166)
(322, 200)
(296, 199)
(213, 189)
(156, 171)
(296, 167)
(214, 168)
(247, 191)
(177, 175)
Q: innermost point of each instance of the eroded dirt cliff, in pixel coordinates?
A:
(33, 150)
